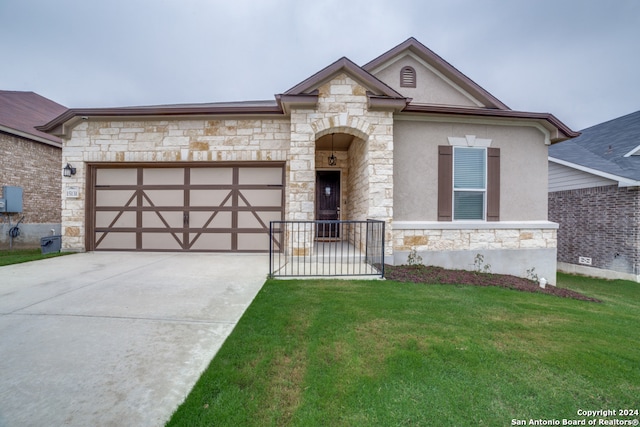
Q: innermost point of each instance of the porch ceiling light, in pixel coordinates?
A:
(332, 159)
(68, 170)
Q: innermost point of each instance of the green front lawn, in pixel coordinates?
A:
(17, 256)
(383, 353)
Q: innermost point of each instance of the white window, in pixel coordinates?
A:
(469, 183)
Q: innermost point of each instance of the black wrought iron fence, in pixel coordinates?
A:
(326, 248)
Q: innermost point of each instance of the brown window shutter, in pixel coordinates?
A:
(445, 182)
(493, 184)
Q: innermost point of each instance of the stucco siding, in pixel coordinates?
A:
(523, 167)
(430, 86)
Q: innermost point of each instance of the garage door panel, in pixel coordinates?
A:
(106, 219)
(195, 207)
(210, 198)
(259, 198)
(115, 241)
(115, 197)
(253, 241)
(163, 176)
(211, 241)
(207, 176)
(161, 198)
(162, 241)
(159, 219)
(210, 220)
(262, 176)
(116, 176)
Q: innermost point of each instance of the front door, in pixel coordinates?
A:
(328, 202)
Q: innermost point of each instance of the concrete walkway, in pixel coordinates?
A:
(115, 339)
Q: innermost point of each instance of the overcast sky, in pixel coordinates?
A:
(577, 59)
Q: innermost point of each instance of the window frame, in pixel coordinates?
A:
(483, 190)
(445, 184)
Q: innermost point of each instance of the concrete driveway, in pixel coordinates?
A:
(115, 339)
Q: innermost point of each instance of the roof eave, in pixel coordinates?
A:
(376, 102)
(562, 131)
(60, 125)
(305, 100)
(57, 144)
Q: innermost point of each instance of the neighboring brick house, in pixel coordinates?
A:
(32, 160)
(594, 195)
(414, 142)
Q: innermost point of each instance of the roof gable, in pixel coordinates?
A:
(453, 86)
(343, 65)
(22, 112)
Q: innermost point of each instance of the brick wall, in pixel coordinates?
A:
(600, 223)
(37, 168)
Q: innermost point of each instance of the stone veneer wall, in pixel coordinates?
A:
(343, 108)
(602, 223)
(37, 168)
(358, 191)
(474, 239)
(523, 249)
(163, 141)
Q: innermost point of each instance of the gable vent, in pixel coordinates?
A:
(407, 77)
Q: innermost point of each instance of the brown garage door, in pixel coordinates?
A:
(212, 208)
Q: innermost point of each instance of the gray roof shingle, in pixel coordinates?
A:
(602, 147)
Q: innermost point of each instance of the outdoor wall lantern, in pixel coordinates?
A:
(332, 159)
(68, 170)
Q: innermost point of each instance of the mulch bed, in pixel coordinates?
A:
(438, 275)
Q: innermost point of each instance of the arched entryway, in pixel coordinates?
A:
(340, 173)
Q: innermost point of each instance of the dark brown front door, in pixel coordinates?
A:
(328, 202)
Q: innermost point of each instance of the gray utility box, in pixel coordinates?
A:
(11, 199)
(51, 244)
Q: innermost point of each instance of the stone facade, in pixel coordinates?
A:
(342, 108)
(474, 239)
(601, 223)
(523, 249)
(367, 168)
(119, 141)
(37, 168)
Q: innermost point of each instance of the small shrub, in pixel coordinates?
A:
(479, 266)
(414, 258)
